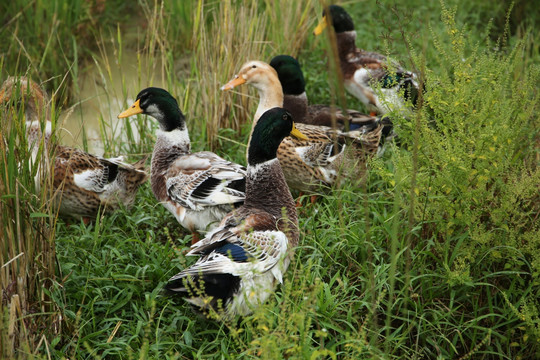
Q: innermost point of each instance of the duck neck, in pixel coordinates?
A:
(34, 135)
(270, 96)
(266, 189)
(169, 146)
(346, 44)
(297, 105)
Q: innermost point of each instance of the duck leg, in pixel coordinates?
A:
(299, 201)
(195, 237)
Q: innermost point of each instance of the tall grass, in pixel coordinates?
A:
(433, 255)
(212, 66)
(49, 38)
(28, 265)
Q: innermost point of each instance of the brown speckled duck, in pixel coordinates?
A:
(382, 85)
(83, 183)
(319, 159)
(199, 189)
(242, 261)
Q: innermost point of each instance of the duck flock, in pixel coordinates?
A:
(243, 219)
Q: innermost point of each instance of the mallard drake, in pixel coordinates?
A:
(199, 189)
(325, 155)
(295, 100)
(368, 75)
(243, 259)
(83, 183)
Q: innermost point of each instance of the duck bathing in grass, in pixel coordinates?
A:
(199, 189)
(244, 258)
(295, 100)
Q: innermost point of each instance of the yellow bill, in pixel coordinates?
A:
(297, 134)
(234, 82)
(133, 110)
(322, 25)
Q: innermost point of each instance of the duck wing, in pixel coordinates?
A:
(203, 178)
(241, 245)
(89, 172)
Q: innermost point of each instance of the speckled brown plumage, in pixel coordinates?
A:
(27, 93)
(323, 115)
(329, 156)
(268, 190)
(116, 183)
(323, 159)
(380, 83)
(82, 183)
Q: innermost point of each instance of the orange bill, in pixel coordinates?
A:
(234, 82)
(133, 110)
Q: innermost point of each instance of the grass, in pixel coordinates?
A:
(433, 255)
(28, 266)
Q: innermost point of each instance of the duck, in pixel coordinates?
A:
(200, 188)
(295, 100)
(242, 261)
(83, 184)
(382, 85)
(328, 156)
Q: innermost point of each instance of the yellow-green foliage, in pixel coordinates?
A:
(476, 129)
(476, 154)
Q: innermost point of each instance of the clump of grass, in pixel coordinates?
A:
(476, 190)
(39, 36)
(213, 65)
(28, 262)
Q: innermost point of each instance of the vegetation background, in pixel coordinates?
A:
(436, 254)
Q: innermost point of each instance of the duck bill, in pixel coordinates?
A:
(320, 28)
(297, 134)
(133, 110)
(234, 82)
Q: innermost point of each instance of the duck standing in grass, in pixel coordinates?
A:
(243, 259)
(199, 189)
(295, 100)
(367, 75)
(83, 183)
(328, 155)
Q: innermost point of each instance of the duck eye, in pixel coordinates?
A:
(254, 66)
(285, 117)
